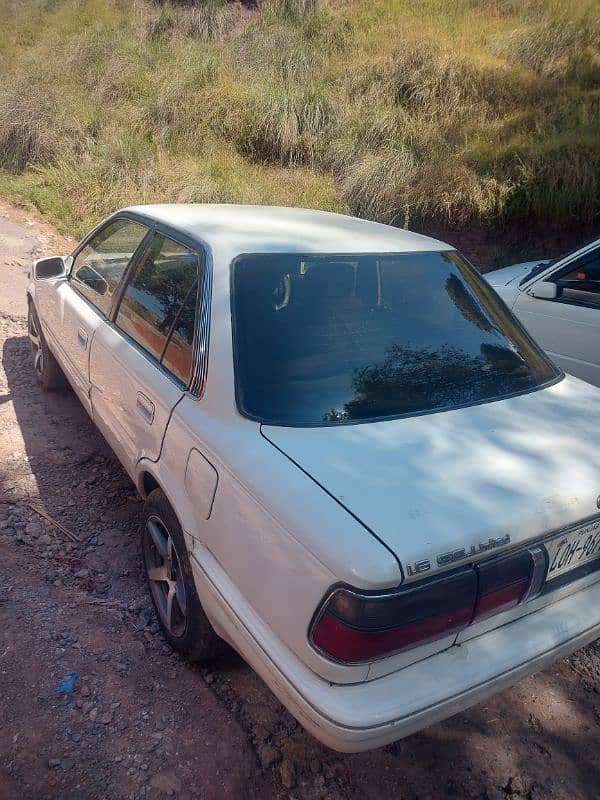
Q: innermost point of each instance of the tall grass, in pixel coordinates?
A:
(470, 112)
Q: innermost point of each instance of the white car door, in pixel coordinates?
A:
(79, 302)
(142, 359)
(568, 325)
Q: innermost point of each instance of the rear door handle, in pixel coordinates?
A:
(82, 338)
(145, 407)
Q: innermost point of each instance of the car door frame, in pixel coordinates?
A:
(550, 275)
(79, 380)
(196, 384)
(569, 266)
(147, 223)
(557, 266)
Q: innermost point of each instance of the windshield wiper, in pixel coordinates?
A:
(535, 271)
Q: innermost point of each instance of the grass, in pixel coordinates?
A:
(475, 112)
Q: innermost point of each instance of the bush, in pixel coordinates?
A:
(32, 129)
(278, 125)
(476, 111)
(210, 21)
(551, 46)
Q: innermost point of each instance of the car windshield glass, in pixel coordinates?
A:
(332, 339)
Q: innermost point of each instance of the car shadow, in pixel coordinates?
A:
(56, 459)
(536, 740)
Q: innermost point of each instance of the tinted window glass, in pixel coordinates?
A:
(178, 357)
(156, 294)
(98, 269)
(332, 339)
(581, 282)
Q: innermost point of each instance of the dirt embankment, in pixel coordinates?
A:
(143, 723)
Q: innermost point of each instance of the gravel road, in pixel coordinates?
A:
(143, 723)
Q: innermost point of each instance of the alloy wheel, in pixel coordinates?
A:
(163, 567)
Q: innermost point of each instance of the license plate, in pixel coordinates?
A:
(573, 549)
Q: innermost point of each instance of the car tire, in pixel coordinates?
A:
(182, 619)
(47, 371)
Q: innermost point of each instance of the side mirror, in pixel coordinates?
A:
(52, 267)
(544, 290)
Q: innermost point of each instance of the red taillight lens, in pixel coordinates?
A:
(354, 627)
(502, 583)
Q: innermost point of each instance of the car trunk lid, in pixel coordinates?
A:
(477, 479)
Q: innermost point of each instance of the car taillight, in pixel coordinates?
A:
(502, 583)
(353, 626)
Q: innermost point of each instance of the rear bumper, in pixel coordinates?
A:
(356, 717)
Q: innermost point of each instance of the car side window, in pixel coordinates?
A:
(158, 307)
(99, 267)
(179, 353)
(580, 281)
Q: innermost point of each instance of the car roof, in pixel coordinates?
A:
(241, 229)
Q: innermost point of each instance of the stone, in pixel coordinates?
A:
(81, 573)
(33, 529)
(261, 733)
(143, 619)
(287, 773)
(96, 563)
(166, 782)
(106, 718)
(268, 755)
(515, 786)
(93, 714)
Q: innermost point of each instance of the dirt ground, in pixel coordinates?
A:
(143, 723)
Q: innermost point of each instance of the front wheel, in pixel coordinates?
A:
(45, 366)
(171, 583)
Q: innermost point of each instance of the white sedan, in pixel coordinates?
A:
(559, 303)
(359, 469)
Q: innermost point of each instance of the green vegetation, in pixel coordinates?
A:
(436, 112)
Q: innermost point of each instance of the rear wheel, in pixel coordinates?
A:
(45, 366)
(171, 583)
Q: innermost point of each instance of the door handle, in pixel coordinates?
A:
(145, 407)
(82, 338)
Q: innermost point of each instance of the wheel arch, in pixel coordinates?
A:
(147, 482)
(151, 475)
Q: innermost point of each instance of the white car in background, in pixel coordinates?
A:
(559, 303)
(359, 469)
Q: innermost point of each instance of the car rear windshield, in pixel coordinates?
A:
(333, 339)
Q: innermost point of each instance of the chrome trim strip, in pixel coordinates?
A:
(200, 355)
